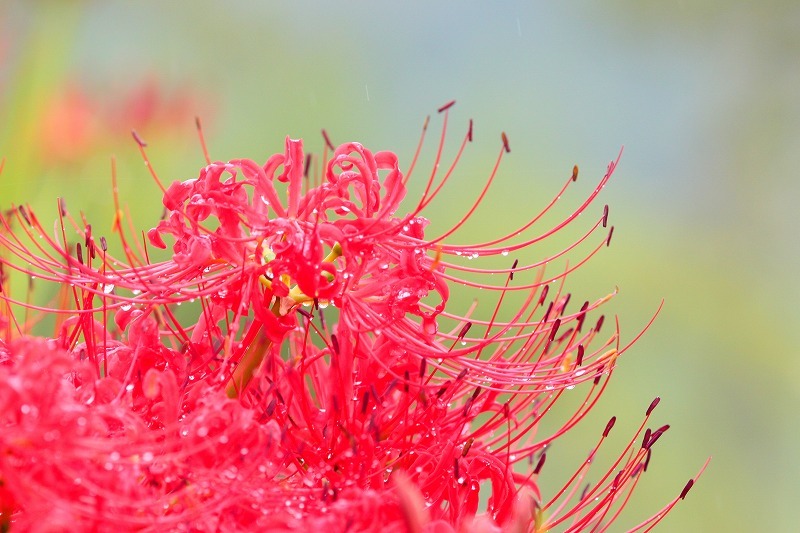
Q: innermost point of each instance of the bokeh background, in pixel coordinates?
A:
(704, 95)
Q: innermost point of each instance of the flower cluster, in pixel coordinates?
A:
(296, 362)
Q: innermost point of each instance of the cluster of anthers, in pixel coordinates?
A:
(296, 363)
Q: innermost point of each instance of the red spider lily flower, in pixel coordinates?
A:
(69, 127)
(76, 121)
(316, 375)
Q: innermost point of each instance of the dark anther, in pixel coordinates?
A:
(138, 139)
(513, 268)
(609, 426)
(24, 215)
(646, 438)
(582, 315)
(543, 296)
(464, 330)
(335, 343)
(467, 446)
(686, 489)
(599, 323)
(554, 330)
(446, 106)
(327, 140)
(584, 491)
(540, 463)
(656, 435)
(652, 406)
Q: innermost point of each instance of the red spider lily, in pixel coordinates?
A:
(77, 122)
(316, 375)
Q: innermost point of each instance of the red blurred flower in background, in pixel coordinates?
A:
(77, 121)
(296, 363)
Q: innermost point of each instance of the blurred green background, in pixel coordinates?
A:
(703, 95)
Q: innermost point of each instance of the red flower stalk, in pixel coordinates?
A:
(317, 375)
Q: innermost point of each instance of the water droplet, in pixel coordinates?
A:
(108, 287)
(504, 253)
